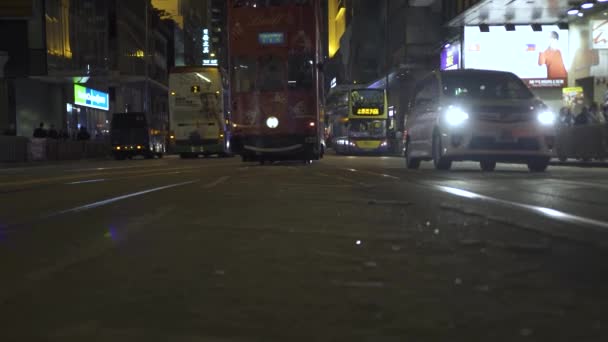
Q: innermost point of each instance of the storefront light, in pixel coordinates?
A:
(573, 11)
(587, 5)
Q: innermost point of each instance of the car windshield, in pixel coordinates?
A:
(485, 86)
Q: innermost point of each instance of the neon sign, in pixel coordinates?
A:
(206, 41)
(91, 98)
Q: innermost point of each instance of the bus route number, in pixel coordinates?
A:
(368, 111)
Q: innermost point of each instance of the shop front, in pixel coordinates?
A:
(89, 111)
(589, 59)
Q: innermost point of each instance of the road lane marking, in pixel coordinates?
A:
(543, 211)
(374, 173)
(119, 198)
(117, 167)
(216, 182)
(87, 181)
(138, 173)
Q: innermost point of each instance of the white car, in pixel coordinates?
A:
(479, 115)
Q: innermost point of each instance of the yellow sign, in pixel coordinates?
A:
(572, 96)
(368, 111)
(367, 144)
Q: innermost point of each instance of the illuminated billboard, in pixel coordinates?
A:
(450, 57)
(92, 98)
(538, 57)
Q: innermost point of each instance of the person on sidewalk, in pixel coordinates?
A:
(40, 132)
(83, 134)
(53, 134)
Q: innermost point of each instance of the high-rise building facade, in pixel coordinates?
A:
(116, 50)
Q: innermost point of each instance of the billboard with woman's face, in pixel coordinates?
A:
(538, 57)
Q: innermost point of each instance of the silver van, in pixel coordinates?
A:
(478, 115)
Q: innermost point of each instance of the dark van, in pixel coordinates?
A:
(130, 136)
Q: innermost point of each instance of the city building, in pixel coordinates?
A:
(83, 61)
(336, 56)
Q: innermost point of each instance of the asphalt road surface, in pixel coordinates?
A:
(345, 249)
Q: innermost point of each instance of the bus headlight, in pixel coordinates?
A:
(546, 118)
(272, 122)
(455, 116)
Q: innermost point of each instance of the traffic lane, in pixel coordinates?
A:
(311, 253)
(50, 168)
(40, 239)
(39, 197)
(35, 175)
(580, 192)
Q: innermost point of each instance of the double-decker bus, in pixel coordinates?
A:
(276, 90)
(359, 122)
(196, 108)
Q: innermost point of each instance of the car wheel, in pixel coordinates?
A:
(487, 165)
(562, 159)
(441, 163)
(538, 165)
(410, 163)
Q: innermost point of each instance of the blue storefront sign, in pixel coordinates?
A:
(92, 98)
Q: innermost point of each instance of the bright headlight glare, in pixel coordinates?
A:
(455, 116)
(272, 122)
(546, 118)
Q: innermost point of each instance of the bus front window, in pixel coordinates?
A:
(300, 71)
(367, 98)
(271, 74)
(367, 128)
(244, 75)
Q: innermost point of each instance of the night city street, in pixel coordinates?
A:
(303, 170)
(345, 249)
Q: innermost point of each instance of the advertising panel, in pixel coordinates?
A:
(572, 95)
(92, 98)
(538, 57)
(450, 57)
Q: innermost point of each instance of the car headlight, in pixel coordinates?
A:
(455, 116)
(546, 118)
